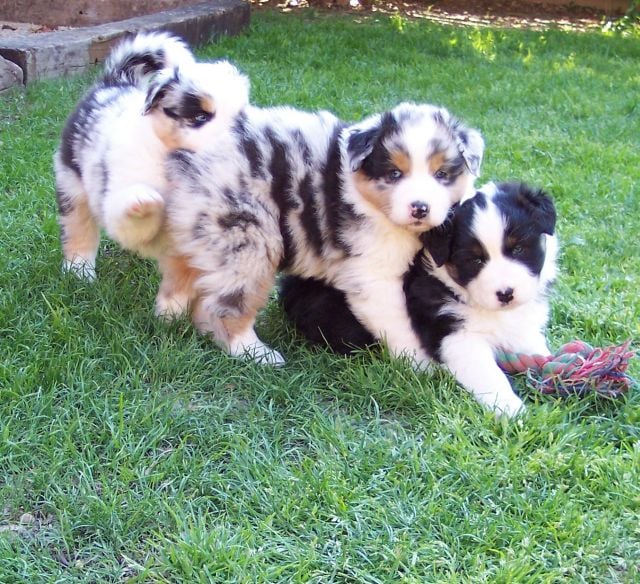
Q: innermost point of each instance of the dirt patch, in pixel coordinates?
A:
(502, 13)
(12, 29)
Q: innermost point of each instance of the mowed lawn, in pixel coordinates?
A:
(136, 451)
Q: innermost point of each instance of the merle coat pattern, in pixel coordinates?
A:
(152, 98)
(307, 194)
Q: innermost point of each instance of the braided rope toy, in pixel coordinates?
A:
(575, 369)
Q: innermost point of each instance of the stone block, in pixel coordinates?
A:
(64, 52)
(10, 75)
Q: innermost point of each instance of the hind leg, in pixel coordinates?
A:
(227, 307)
(234, 332)
(79, 232)
(133, 215)
(177, 288)
(236, 245)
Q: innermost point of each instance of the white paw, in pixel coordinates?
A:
(170, 308)
(145, 204)
(258, 352)
(269, 357)
(510, 408)
(82, 268)
(425, 365)
(134, 216)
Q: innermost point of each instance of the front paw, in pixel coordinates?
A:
(508, 407)
(170, 307)
(81, 268)
(144, 205)
(258, 352)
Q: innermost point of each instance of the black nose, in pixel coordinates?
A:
(419, 210)
(505, 296)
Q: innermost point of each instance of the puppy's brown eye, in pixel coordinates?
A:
(394, 175)
(441, 174)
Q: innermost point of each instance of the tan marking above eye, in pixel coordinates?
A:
(208, 104)
(511, 241)
(477, 250)
(436, 162)
(401, 161)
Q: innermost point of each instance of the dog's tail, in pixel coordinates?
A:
(136, 58)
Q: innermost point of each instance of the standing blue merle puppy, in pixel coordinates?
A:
(310, 195)
(152, 98)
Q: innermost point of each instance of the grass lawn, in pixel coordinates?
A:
(134, 451)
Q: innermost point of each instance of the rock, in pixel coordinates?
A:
(10, 74)
(27, 519)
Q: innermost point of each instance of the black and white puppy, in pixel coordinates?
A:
(308, 194)
(152, 98)
(480, 285)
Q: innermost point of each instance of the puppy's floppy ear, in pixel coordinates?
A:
(540, 206)
(437, 241)
(360, 144)
(159, 88)
(364, 137)
(471, 146)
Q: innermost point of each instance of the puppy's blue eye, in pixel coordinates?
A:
(199, 119)
(395, 175)
(441, 174)
(517, 250)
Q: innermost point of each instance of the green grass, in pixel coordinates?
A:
(133, 451)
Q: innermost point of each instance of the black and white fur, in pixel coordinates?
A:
(310, 195)
(152, 98)
(479, 285)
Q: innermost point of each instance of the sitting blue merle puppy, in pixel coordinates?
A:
(479, 285)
